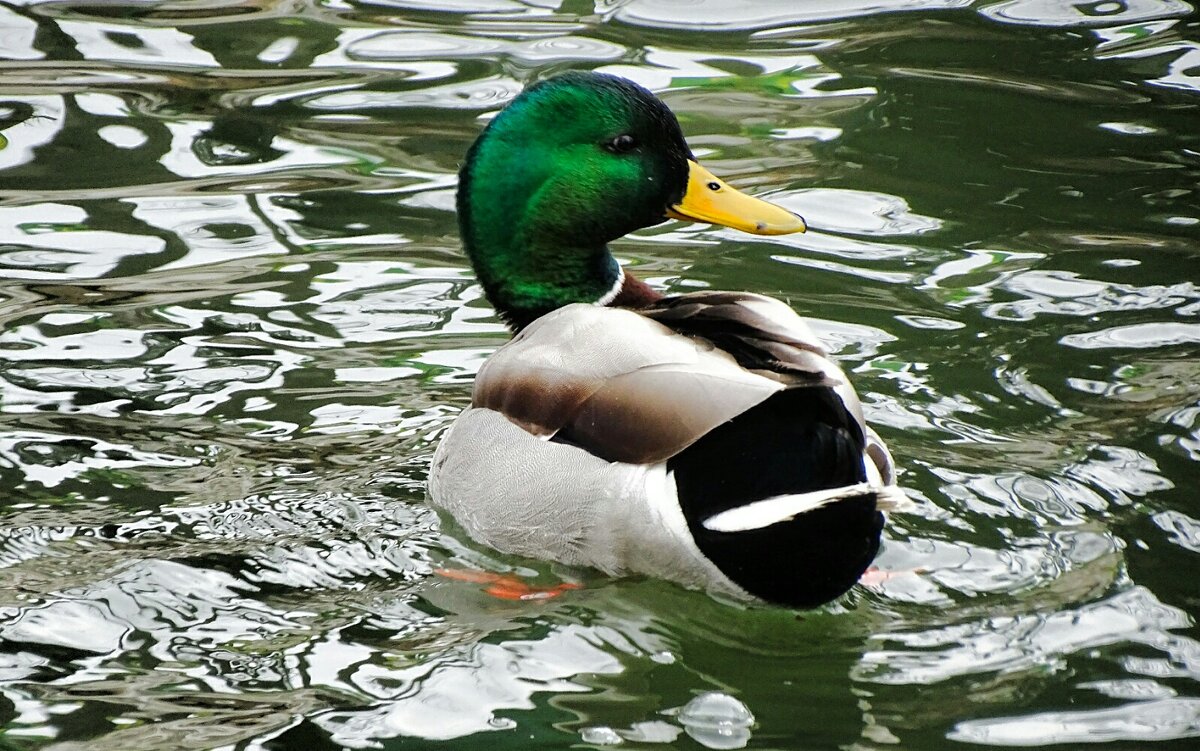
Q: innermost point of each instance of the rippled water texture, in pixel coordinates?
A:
(234, 319)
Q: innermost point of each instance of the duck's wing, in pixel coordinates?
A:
(617, 384)
(642, 386)
(759, 332)
(765, 335)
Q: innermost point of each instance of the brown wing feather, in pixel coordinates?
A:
(622, 386)
(653, 413)
(642, 386)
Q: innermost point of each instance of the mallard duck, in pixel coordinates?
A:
(704, 438)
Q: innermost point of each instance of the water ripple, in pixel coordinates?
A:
(475, 95)
(1138, 722)
(1055, 13)
(1020, 643)
(1065, 293)
(235, 319)
(717, 15)
(1137, 336)
(408, 45)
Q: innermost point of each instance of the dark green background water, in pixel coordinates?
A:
(234, 319)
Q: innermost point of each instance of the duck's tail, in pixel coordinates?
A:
(781, 508)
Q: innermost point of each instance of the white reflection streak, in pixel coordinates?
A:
(172, 603)
(1144, 721)
(1057, 292)
(191, 219)
(975, 261)
(1136, 41)
(17, 35)
(385, 48)
(861, 212)
(52, 243)
(181, 160)
(192, 371)
(16, 448)
(460, 693)
(1136, 336)
(155, 46)
(664, 66)
(721, 14)
(20, 140)
(1069, 14)
(479, 94)
(1022, 642)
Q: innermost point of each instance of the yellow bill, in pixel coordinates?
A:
(709, 199)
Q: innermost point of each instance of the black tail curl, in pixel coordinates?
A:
(797, 441)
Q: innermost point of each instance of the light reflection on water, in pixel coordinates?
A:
(235, 320)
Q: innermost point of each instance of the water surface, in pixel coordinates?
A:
(235, 318)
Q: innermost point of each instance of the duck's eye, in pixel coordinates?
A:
(622, 144)
(714, 185)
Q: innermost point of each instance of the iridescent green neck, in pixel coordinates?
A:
(528, 257)
(544, 190)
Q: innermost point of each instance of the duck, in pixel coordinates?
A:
(705, 438)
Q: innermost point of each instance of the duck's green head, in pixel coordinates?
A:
(572, 163)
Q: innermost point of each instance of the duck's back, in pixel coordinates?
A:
(612, 438)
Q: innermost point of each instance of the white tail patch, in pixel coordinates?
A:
(781, 508)
(892, 498)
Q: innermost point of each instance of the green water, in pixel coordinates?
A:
(234, 319)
